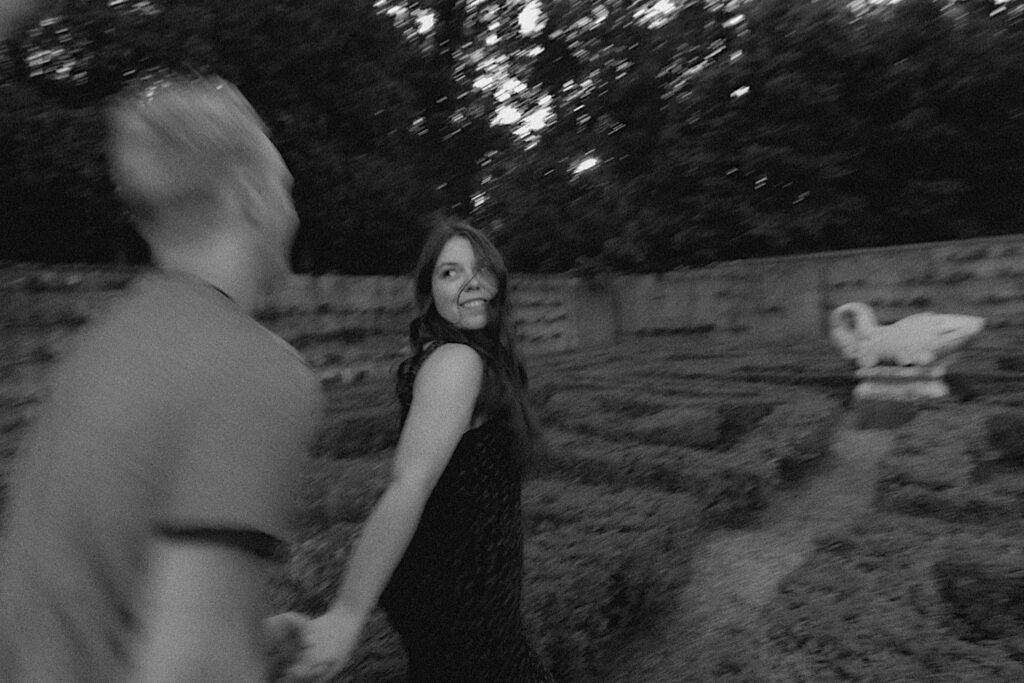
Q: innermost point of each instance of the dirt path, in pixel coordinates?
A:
(737, 571)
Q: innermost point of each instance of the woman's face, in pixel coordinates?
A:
(462, 289)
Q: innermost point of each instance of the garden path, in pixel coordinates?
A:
(736, 572)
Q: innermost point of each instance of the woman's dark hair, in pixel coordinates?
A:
(503, 394)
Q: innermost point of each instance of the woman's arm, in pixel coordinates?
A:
(444, 396)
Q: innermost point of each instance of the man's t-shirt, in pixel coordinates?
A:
(177, 408)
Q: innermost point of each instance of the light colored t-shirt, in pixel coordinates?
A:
(176, 408)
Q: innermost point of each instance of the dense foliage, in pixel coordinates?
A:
(927, 586)
(674, 133)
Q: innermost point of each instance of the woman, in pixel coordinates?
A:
(442, 550)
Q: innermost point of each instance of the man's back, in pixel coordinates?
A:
(176, 410)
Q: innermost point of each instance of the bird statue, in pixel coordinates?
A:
(918, 339)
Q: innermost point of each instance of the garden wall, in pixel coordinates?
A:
(348, 327)
(354, 327)
(790, 297)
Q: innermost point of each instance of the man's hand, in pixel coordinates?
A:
(324, 644)
(284, 634)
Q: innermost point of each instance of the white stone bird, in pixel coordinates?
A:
(918, 339)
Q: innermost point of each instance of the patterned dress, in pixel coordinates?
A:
(455, 596)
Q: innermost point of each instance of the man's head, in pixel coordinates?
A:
(192, 161)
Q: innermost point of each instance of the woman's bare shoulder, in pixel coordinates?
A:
(453, 357)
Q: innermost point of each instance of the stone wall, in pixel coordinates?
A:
(791, 297)
(352, 328)
(349, 328)
(979, 277)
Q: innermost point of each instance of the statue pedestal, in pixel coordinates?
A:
(888, 396)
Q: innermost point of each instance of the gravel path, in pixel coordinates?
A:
(736, 572)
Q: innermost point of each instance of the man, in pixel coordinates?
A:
(149, 501)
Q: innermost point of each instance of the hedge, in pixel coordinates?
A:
(795, 435)
(758, 453)
(875, 604)
(955, 463)
(356, 433)
(308, 583)
(599, 562)
(730, 486)
(782, 447)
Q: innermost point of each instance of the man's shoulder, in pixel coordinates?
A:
(195, 326)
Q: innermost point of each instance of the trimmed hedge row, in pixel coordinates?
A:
(308, 582)
(759, 451)
(929, 586)
(957, 464)
(341, 491)
(357, 433)
(730, 486)
(781, 449)
(652, 385)
(887, 601)
(681, 426)
(360, 419)
(795, 436)
(702, 423)
(590, 459)
(600, 563)
(1004, 432)
(984, 592)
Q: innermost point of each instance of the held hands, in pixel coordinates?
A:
(312, 649)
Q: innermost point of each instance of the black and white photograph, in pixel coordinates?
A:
(511, 341)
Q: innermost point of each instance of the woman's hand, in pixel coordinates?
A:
(326, 643)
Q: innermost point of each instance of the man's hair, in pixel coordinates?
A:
(179, 140)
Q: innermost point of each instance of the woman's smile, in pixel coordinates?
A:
(463, 289)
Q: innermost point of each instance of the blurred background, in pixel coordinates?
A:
(583, 135)
(710, 511)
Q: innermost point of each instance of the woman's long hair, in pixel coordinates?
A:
(503, 395)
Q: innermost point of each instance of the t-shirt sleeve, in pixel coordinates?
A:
(244, 444)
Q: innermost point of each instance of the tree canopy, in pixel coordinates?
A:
(626, 134)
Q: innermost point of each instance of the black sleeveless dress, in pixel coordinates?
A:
(455, 597)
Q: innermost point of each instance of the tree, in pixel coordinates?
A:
(344, 104)
(612, 133)
(816, 125)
